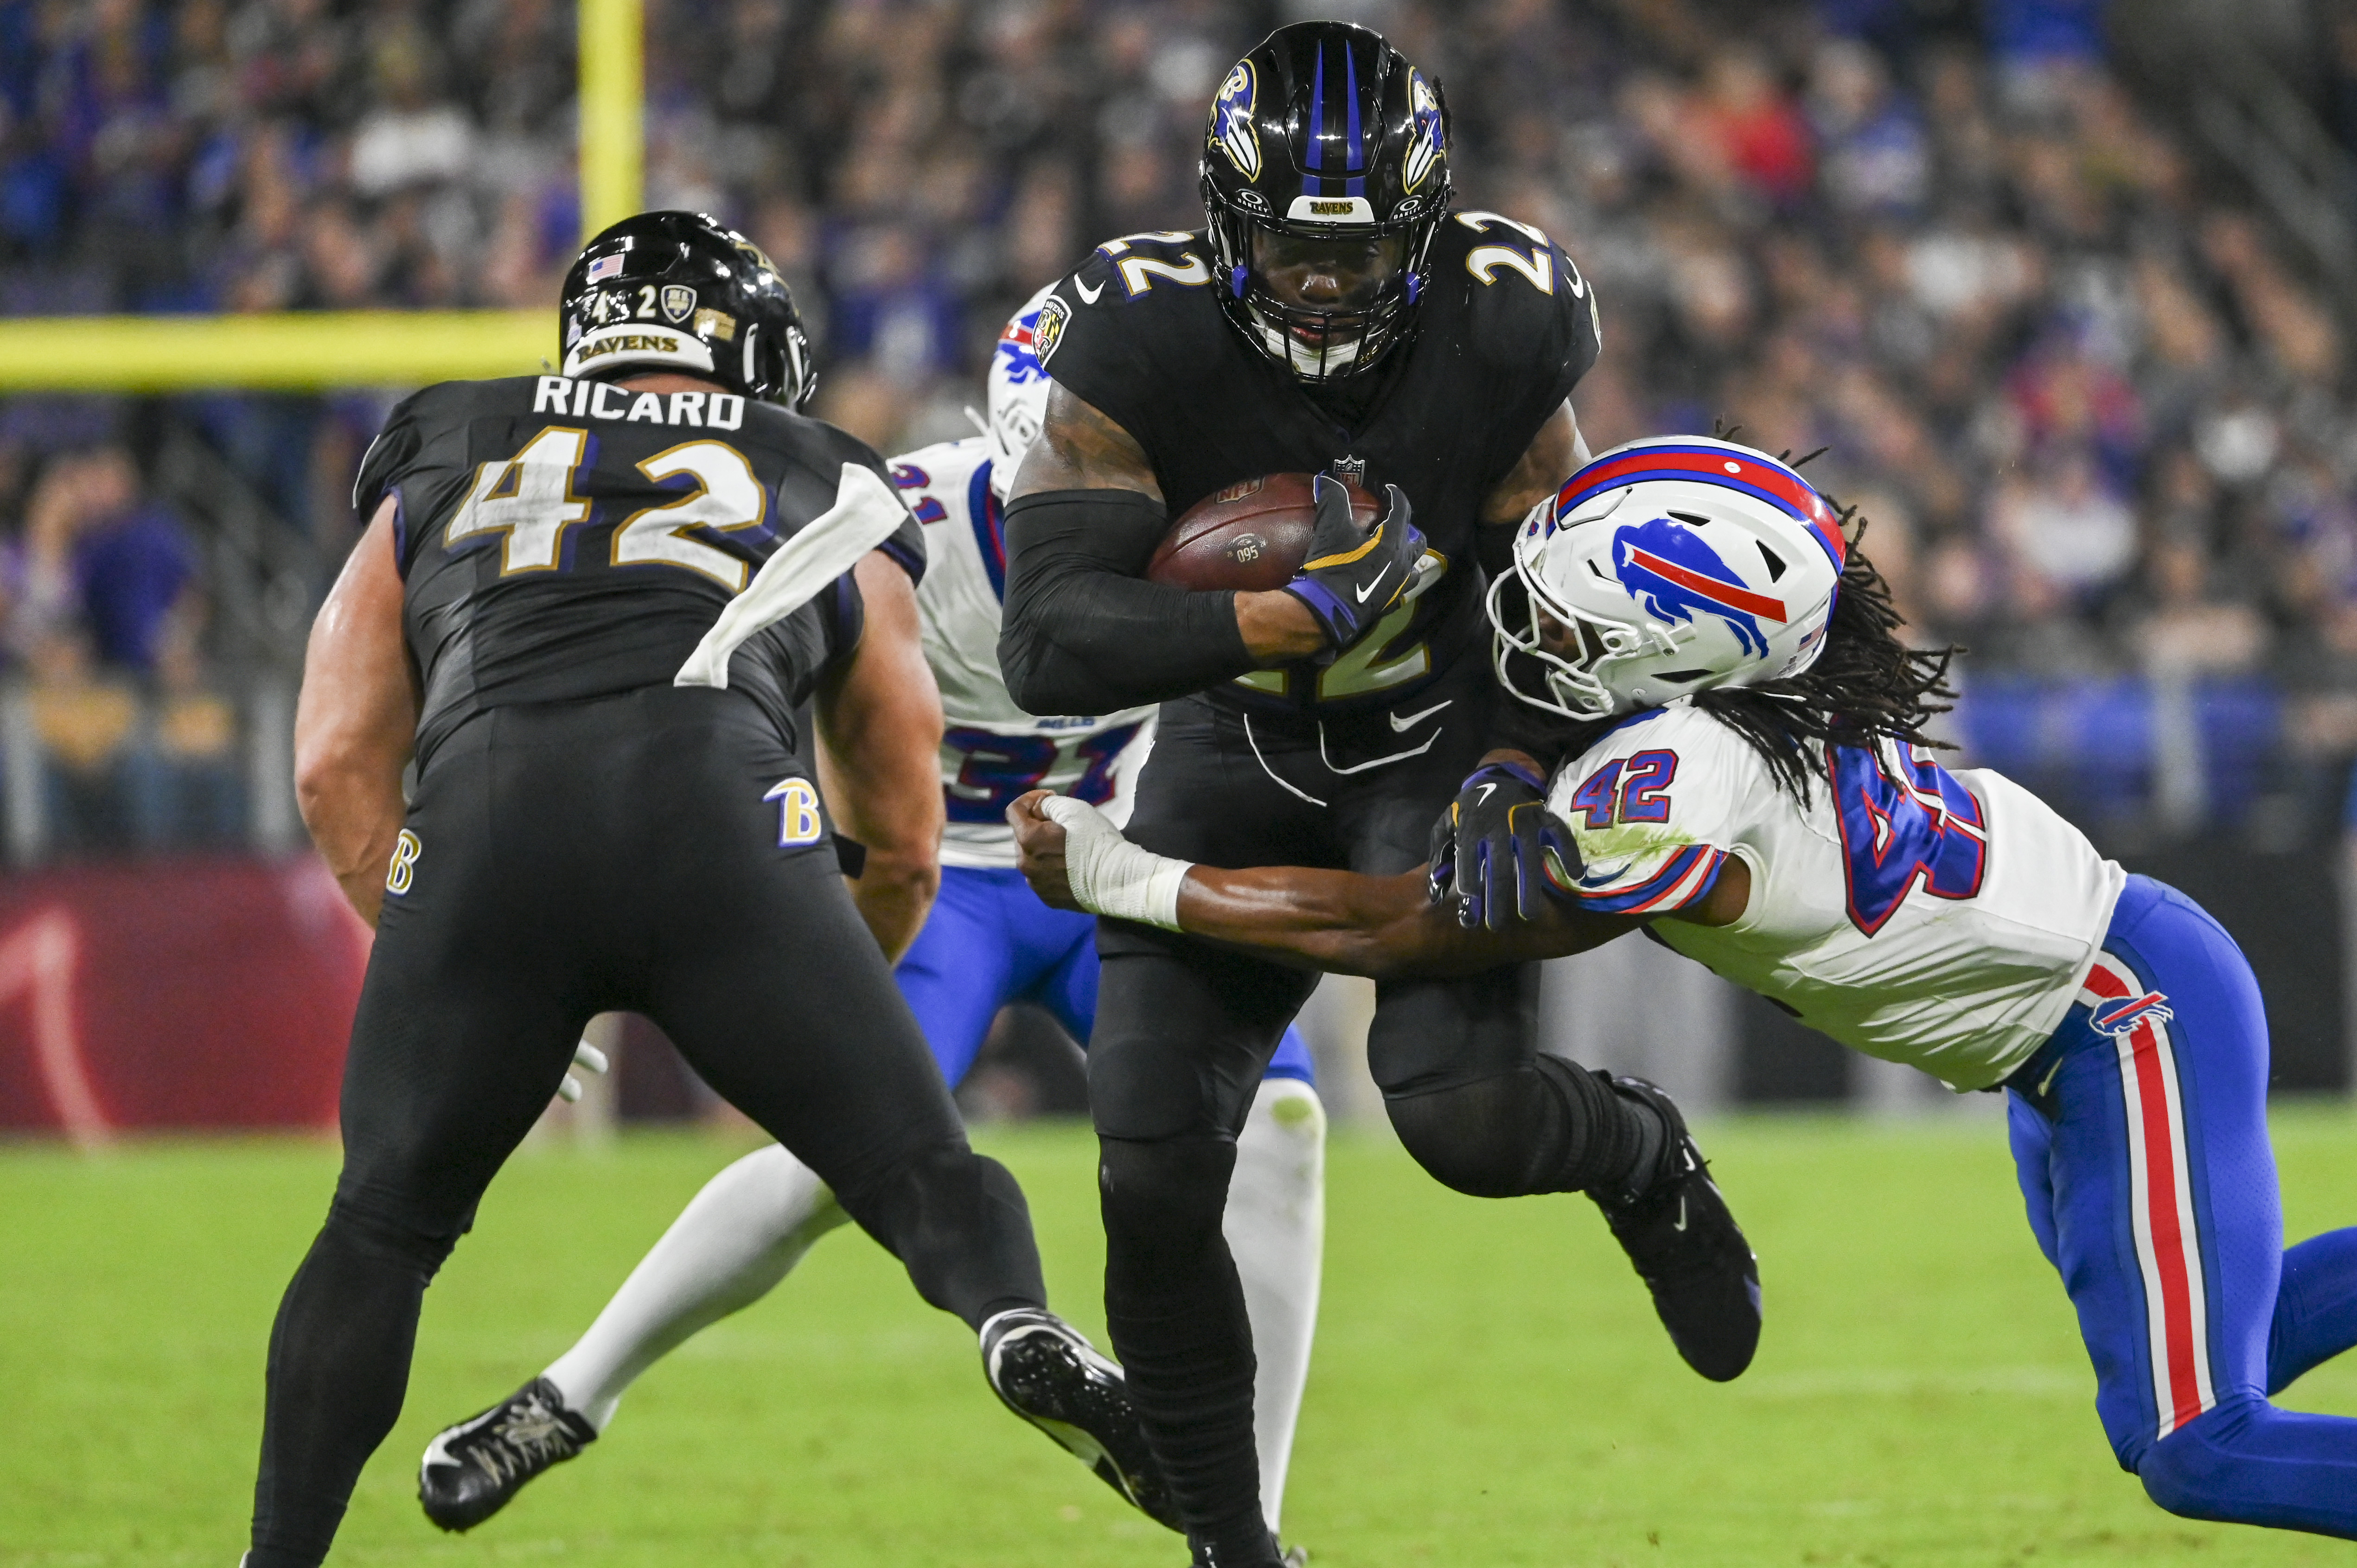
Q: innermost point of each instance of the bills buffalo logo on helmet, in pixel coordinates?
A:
(1669, 568)
(2122, 1014)
(1018, 351)
(1232, 120)
(1048, 330)
(1425, 150)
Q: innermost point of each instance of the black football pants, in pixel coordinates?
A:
(575, 858)
(1184, 1030)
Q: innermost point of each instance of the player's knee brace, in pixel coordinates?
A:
(1546, 1127)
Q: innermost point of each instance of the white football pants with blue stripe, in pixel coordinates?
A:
(2139, 1134)
(988, 941)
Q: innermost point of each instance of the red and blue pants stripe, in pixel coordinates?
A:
(2139, 1136)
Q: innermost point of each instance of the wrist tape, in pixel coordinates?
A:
(1109, 874)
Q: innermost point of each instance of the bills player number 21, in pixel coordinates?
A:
(999, 767)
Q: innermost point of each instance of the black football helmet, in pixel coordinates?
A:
(1325, 132)
(682, 291)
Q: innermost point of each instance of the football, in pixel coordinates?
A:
(1252, 536)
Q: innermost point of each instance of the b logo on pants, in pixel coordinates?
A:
(799, 822)
(404, 871)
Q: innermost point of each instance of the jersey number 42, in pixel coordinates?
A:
(527, 503)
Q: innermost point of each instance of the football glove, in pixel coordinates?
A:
(1352, 579)
(1491, 847)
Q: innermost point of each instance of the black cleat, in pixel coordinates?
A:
(1687, 1247)
(471, 1470)
(1046, 1372)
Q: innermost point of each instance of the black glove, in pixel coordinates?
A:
(1491, 847)
(1352, 579)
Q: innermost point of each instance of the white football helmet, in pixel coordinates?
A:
(1668, 566)
(1019, 394)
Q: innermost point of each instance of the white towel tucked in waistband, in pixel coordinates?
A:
(865, 513)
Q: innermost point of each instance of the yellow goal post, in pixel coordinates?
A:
(314, 350)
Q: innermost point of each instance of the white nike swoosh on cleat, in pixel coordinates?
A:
(1401, 726)
(1681, 1225)
(1088, 296)
(438, 1451)
(1364, 593)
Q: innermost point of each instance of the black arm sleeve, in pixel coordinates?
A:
(1084, 632)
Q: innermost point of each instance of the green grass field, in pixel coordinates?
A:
(1490, 1386)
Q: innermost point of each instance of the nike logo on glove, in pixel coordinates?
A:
(1487, 791)
(1365, 591)
(1088, 296)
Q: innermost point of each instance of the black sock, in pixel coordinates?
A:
(1176, 1312)
(1651, 1140)
(338, 1367)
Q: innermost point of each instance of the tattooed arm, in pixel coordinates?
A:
(1084, 633)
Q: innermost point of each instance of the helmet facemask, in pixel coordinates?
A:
(1319, 342)
(1570, 646)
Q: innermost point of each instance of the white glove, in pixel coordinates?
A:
(584, 1055)
(1111, 875)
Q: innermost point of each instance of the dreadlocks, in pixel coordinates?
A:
(1867, 684)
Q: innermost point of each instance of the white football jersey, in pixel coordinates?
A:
(992, 750)
(1936, 918)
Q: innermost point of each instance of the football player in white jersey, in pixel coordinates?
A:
(988, 941)
(1748, 777)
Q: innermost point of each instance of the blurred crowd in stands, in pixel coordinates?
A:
(2097, 409)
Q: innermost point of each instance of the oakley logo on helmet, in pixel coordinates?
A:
(1668, 568)
(1232, 120)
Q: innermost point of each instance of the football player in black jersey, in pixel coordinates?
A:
(589, 605)
(1337, 317)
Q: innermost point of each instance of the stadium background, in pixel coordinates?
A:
(2062, 286)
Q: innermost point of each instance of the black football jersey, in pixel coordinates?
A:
(1506, 327)
(560, 538)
